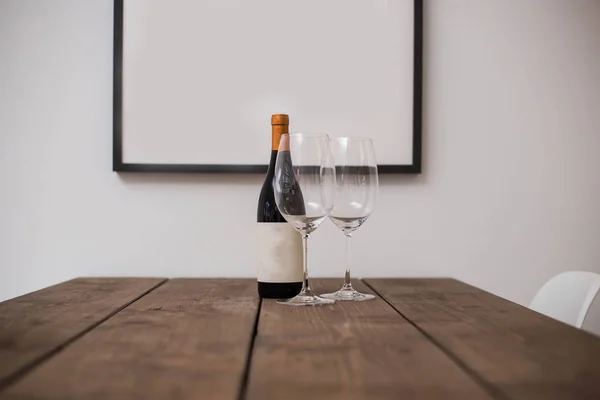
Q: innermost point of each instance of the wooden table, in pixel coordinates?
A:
(96, 338)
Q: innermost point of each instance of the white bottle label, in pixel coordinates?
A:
(279, 253)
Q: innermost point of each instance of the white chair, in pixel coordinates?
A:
(567, 297)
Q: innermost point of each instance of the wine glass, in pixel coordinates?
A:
(355, 193)
(303, 182)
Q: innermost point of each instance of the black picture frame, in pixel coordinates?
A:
(120, 166)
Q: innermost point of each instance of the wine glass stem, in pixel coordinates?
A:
(347, 282)
(305, 283)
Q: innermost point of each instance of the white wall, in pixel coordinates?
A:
(509, 196)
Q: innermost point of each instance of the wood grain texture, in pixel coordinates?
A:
(37, 324)
(523, 354)
(349, 350)
(188, 339)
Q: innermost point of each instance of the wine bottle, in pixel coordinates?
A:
(279, 245)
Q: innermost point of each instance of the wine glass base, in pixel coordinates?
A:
(348, 295)
(306, 299)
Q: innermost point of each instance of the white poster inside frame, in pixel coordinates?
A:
(200, 79)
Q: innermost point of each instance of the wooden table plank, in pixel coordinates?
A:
(349, 350)
(187, 339)
(522, 353)
(34, 326)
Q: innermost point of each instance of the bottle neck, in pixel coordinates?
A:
(276, 132)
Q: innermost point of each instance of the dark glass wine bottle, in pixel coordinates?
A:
(279, 245)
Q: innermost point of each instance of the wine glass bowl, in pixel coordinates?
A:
(303, 185)
(354, 196)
